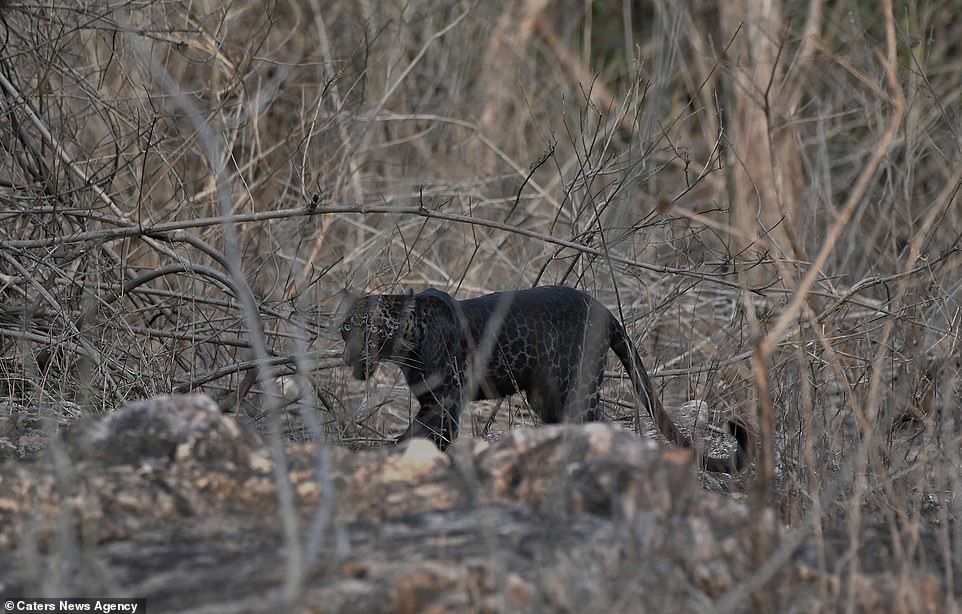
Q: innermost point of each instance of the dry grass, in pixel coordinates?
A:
(769, 201)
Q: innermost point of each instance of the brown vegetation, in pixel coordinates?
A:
(765, 192)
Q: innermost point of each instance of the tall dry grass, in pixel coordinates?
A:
(766, 192)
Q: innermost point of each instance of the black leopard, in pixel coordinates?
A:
(548, 342)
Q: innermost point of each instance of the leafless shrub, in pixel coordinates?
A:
(768, 200)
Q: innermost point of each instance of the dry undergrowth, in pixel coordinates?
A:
(769, 201)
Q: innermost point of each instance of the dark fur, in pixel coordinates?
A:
(547, 342)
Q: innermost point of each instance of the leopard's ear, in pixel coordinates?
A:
(349, 298)
(410, 302)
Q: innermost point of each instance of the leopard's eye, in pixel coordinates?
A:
(345, 328)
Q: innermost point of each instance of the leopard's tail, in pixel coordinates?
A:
(626, 352)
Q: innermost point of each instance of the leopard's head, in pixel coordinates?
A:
(374, 330)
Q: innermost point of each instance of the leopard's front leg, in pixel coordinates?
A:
(435, 421)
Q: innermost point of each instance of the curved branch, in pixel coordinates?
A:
(173, 269)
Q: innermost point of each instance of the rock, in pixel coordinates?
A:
(175, 427)
(24, 430)
(170, 500)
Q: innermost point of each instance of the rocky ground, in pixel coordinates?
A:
(170, 500)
